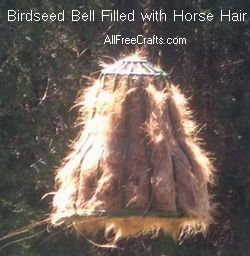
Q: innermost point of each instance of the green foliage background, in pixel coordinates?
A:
(42, 69)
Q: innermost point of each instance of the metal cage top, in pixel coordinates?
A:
(133, 66)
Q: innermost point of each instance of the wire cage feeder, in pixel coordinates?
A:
(137, 166)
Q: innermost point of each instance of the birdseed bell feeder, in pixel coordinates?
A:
(137, 166)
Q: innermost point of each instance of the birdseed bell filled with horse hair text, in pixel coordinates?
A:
(137, 166)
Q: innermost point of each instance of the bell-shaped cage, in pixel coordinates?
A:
(137, 165)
